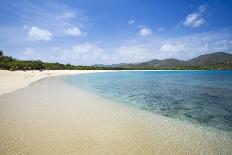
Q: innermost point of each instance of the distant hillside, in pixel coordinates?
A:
(113, 65)
(162, 63)
(218, 60)
(203, 60)
(211, 59)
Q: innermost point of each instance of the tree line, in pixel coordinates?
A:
(10, 63)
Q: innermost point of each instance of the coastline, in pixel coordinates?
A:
(62, 119)
(14, 80)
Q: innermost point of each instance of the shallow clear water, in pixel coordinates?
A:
(203, 97)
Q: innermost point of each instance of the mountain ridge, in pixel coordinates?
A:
(201, 60)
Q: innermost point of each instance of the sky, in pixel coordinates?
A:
(88, 32)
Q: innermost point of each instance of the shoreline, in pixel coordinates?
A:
(63, 119)
(184, 121)
(14, 80)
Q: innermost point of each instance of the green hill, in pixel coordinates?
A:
(211, 59)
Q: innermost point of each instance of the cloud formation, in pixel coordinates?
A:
(187, 47)
(83, 53)
(68, 15)
(36, 33)
(75, 31)
(145, 31)
(115, 45)
(62, 21)
(195, 19)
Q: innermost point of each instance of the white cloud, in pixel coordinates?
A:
(145, 31)
(130, 22)
(86, 48)
(36, 33)
(60, 19)
(84, 54)
(173, 47)
(184, 48)
(75, 31)
(90, 54)
(191, 46)
(28, 51)
(68, 15)
(195, 19)
(202, 8)
(132, 53)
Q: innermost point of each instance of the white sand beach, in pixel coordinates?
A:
(51, 116)
(13, 80)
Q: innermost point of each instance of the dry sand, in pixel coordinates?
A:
(53, 117)
(13, 80)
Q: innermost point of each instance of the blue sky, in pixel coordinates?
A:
(90, 32)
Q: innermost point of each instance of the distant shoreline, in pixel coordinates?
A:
(13, 80)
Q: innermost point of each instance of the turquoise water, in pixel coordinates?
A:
(202, 97)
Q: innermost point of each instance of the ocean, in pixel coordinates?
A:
(199, 97)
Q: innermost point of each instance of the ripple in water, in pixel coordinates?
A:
(203, 97)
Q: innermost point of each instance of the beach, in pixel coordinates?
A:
(13, 80)
(40, 113)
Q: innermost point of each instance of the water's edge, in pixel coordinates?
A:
(66, 78)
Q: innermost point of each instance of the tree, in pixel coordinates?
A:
(1, 53)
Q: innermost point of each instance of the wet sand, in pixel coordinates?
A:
(53, 117)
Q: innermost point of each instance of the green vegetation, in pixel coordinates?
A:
(219, 66)
(9, 63)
